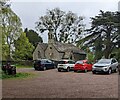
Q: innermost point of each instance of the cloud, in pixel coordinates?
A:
(64, 0)
(29, 12)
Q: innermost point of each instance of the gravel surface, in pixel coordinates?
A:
(53, 84)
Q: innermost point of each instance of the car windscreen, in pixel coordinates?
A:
(104, 61)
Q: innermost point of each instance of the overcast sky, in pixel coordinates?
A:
(29, 11)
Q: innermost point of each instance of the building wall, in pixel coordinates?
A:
(38, 53)
(78, 56)
(61, 55)
(52, 53)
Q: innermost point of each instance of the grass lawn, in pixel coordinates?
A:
(17, 76)
(23, 66)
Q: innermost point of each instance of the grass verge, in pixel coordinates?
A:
(17, 76)
(23, 66)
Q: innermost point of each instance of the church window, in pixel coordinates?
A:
(39, 55)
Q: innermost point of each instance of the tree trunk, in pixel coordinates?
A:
(108, 44)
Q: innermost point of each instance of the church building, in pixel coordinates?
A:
(56, 51)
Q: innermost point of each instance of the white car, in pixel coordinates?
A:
(66, 65)
(106, 66)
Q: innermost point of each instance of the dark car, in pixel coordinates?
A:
(44, 64)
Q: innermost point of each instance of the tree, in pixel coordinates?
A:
(103, 34)
(66, 27)
(33, 37)
(11, 29)
(23, 48)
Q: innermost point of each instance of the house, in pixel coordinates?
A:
(56, 51)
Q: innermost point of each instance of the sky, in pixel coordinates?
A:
(29, 11)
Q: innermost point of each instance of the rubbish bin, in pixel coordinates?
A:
(9, 69)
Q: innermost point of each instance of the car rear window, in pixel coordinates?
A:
(62, 62)
(79, 62)
(37, 62)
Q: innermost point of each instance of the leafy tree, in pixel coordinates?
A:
(66, 27)
(11, 28)
(33, 37)
(90, 57)
(23, 48)
(103, 34)
(117, 15)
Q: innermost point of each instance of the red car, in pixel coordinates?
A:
(82, 65)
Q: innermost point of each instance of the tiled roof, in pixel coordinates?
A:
(43, 45)
(65, 47)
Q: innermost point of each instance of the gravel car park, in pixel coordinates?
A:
(52, 84)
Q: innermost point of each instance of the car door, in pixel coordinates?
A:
(114, 64)
(87, 65)
(50, 64)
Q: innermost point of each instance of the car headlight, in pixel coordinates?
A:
(106, 67)
(93, 66)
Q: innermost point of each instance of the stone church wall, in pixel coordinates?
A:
(52, 53)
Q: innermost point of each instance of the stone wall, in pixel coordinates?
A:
(52, 53)
(39, 53)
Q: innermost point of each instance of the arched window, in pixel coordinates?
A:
(71, 57)
(39, 55)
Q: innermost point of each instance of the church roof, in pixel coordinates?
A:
(43, 46)
(66, 47)
(62, 47)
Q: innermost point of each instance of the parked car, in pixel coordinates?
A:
(44, 64)
(66, 65)
(105, 66)
(83, 65)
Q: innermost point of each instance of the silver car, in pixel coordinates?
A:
(105, 65)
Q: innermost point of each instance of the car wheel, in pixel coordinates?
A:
(93, 72)
(75, 70)
(85, 70)
(35, 68)
(68, 69)
(59, 70)
(54, 67)
(44, 68)
(116, 70)
(109, 71)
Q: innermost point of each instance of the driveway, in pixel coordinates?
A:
(53, 84)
